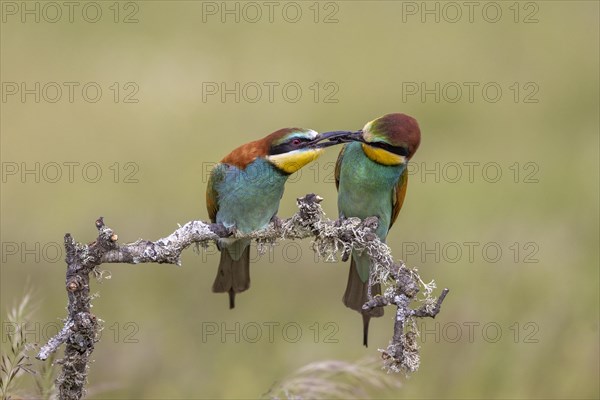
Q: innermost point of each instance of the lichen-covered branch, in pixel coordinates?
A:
(402, 353)
(329, 239)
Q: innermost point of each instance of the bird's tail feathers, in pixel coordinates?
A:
(233, 276)
(357, 294)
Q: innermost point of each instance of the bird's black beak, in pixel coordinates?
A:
(335, 137)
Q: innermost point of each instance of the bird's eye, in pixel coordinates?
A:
(296, 142)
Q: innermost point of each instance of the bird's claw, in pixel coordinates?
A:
(277, 222)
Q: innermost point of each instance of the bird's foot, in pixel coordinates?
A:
(277, 222)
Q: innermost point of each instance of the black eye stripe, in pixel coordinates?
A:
(401, 151)
(280, 149)
(288, 146)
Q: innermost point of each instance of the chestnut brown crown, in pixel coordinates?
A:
(397, 130)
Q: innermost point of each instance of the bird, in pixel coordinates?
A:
(243, 194)
(371, 178)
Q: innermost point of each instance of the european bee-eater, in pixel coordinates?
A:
(371, 177)
(244, 191)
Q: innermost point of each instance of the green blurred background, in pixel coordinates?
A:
(517, 324)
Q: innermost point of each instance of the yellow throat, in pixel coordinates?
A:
(294, 160)
(382, 156)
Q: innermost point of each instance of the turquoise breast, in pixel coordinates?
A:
(366, 187)
(249, 198)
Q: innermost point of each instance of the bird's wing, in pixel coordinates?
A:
(338, 167)
(217, 175)
(398, 195)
